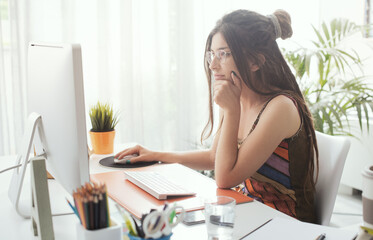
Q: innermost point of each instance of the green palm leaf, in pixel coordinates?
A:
(332, 94)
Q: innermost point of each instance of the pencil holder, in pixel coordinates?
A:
(113, 232)
(139, 238)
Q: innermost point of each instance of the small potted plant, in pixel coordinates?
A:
(102, 133)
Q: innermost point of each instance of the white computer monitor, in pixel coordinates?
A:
(55, 94)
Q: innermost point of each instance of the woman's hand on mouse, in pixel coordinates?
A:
(144, 155)
(227, 93)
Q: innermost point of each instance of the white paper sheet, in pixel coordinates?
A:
(281, 228)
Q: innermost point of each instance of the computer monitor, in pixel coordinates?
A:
(56, 107)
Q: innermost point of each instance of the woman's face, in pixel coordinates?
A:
(221, 68)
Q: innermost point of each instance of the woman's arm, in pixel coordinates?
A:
(195, 159)
(226, 152)
(199, 160)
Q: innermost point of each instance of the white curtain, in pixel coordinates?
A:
(146, 61)
(13, 43)
(143, 56)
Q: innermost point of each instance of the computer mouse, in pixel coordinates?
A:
(125, 158)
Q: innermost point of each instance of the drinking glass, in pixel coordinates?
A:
(219, 217)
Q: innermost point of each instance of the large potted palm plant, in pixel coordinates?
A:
(332, 80)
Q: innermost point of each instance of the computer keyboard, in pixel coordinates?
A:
(156, 184)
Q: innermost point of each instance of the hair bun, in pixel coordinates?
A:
(284, 20)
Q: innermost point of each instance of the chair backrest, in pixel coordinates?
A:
(332, 156)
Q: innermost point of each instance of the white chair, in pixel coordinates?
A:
(332, 156)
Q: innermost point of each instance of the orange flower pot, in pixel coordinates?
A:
(102, 142)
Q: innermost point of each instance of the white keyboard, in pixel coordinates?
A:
(156, 184)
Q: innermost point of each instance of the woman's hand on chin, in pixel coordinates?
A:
(227, 93)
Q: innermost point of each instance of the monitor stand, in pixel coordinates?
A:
(40, 210)
(41, 216)
(15, 187)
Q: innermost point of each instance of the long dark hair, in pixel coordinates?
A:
(249, 35)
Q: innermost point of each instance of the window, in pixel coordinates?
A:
(368, 17)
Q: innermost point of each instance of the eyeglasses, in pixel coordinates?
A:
(220, 54)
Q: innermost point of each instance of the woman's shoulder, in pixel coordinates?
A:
(282, 111)
(283, 103)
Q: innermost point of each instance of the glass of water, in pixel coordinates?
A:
(219, 216)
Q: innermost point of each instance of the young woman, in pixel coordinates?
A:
(265, 143)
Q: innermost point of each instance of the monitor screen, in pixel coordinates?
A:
(55, 91)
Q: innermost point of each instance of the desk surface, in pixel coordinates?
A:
(248, 215)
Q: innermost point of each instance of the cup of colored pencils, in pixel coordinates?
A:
(91, 206)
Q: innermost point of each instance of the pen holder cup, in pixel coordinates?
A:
(139, 238)
(113, 232)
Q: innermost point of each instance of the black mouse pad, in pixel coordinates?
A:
(109, 162)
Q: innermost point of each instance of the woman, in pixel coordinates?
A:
(265, 143)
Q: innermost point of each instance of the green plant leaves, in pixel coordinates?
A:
(103, 118)
(334, 90)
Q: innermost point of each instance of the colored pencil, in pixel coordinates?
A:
(102, 210)
(96, 212)
(91, 206)
(86, 213)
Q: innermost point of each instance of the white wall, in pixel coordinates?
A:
(359, 156)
